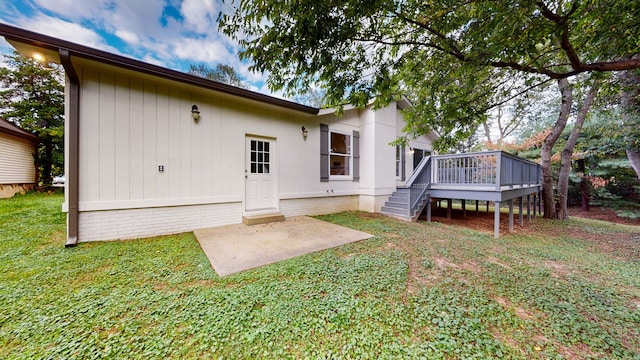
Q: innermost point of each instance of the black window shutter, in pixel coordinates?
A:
(324, 153)
(402, 163)
(356, 156)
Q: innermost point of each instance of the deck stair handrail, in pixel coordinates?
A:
(418, 185)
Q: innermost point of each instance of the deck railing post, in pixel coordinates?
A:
(498, 170)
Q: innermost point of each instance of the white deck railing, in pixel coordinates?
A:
(491, 169)
(481, 171)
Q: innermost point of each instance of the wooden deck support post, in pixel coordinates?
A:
(428, 208)
(535, 204)
(449, 204)
(540, 204)
(496, 219)
(487, 206)
(529, 208)
(520, 212)
(477, 203)
(510, 215)
(464, 208)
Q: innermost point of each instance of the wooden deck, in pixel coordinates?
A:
(493, 176)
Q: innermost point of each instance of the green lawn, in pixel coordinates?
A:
(551, 290)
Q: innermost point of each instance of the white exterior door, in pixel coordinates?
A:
(260, 184)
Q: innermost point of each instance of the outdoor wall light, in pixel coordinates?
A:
(39, 57)
(305, 132)
(195, 113)
(411, 150)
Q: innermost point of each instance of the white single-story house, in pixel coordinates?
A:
(18, 160)
(152, 151)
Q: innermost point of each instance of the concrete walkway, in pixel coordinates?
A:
(240, 247)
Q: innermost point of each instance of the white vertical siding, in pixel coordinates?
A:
(89, 155)
(421, 142)
(377, 156)
(132, 123)
(162, 142)
(149, 139)
(122, 142)
(196, 145)
(136, 140)
(208, 151)
(186, 165)
(16, 160)
(106, 135)
(174, 169)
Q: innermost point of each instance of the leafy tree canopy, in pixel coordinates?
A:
(222, 73)
(454, 59)
(32, 97)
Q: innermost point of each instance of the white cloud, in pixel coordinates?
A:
(199, 15)
(74, 10)
(128, 37)
(201, 50)
(150, 59)
(65, 30)
(251, 76)
(137, 17)
(192, 37)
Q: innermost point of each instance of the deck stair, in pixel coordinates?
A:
(398, 204)
(408, 201)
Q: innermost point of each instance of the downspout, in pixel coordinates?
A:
(72, 180)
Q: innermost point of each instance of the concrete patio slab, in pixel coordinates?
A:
(240, 247)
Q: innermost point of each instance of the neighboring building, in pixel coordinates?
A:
(18, 166)
(153, 151)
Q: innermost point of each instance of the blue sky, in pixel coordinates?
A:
(169, 33)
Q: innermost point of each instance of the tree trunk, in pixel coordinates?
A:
(630, 103)
(634, 159)
(584, 188)
(547, 148)
(487, 132)
(46, 160)
(567, 152)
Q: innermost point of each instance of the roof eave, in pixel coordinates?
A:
(17, 132)
(55, 44)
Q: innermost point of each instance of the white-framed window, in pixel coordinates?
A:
(340, 155)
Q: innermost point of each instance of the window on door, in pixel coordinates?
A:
(259, 157)
(418, 155)
(340, 154)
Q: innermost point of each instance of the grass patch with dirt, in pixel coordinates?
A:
(557, 290)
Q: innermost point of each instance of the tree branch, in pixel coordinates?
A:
(450, 47)
(454, 50)
(516, 95)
